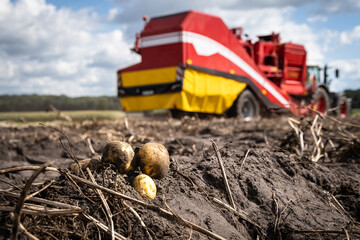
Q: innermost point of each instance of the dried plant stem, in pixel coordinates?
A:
(177, 216)
(42, 211)
(334, 119)
(347, 234)
(39, 191)
(25, 168)
(21, 200)
(228, 190)
(241, 215)
(72, 153)
(317, 141)
(23, 229)
(28, 234)
(44, 201)
(106, 206)
(299, 133)
(334, 231)
(90, 146)
(126, 122)
(102, 226)
(243, 162)
(68, 175)
(341, 207)
(277, 220)
(138, 217)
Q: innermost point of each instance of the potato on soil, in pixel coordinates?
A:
(153, 159)
(120, 154)
(145, 186)
(91, 163)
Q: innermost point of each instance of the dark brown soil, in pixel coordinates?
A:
(287, 194)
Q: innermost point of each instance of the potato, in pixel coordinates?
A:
(145, 186)
(120, 154)
(91, 163)
(153, 159)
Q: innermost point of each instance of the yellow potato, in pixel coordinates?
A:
(145, 186)
(154, 160)
(120, 154)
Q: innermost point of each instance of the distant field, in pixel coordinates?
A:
(356, 112)
(75, 115)
(50, 116)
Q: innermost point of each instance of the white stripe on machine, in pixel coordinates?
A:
(205, 46)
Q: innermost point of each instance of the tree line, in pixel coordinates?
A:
(15, 103)
(355, 97)
(12, 103)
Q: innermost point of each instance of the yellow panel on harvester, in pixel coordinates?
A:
(148, 77)
(151, 102)
(204, 92)
(201, 92)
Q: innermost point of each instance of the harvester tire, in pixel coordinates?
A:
(321, 101)
(343, 107)
(248, 106)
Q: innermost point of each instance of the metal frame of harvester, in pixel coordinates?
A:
(192, 62)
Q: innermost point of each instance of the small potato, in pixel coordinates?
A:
(154, 160)
(120, 154)
(88, 162)
(145, 186)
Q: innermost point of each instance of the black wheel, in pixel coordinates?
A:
(247, 106)
(321, 101)
(178, 114)
(343, 107)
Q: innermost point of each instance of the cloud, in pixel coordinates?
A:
(349, 74)
(317, 18)
(335, 6)
(58, 51)
(132, 10)
(129, 13)
(349, 37)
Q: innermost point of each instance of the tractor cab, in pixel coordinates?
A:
(313, 78)
(321, 75)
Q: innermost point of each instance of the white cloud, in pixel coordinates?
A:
(349, 74)
(112, 14)
(317, 18)
(349, 37)
(6, 69)
(336, 6)
(58, 51)
(131, 10)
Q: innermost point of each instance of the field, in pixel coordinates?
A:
(51, 116)
(355, 112)
(289, 179)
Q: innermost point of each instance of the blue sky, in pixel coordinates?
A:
(75, 47)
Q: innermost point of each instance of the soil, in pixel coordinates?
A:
(278, 190)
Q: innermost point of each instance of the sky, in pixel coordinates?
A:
(75, 47)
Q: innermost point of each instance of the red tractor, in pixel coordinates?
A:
(192, 62)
